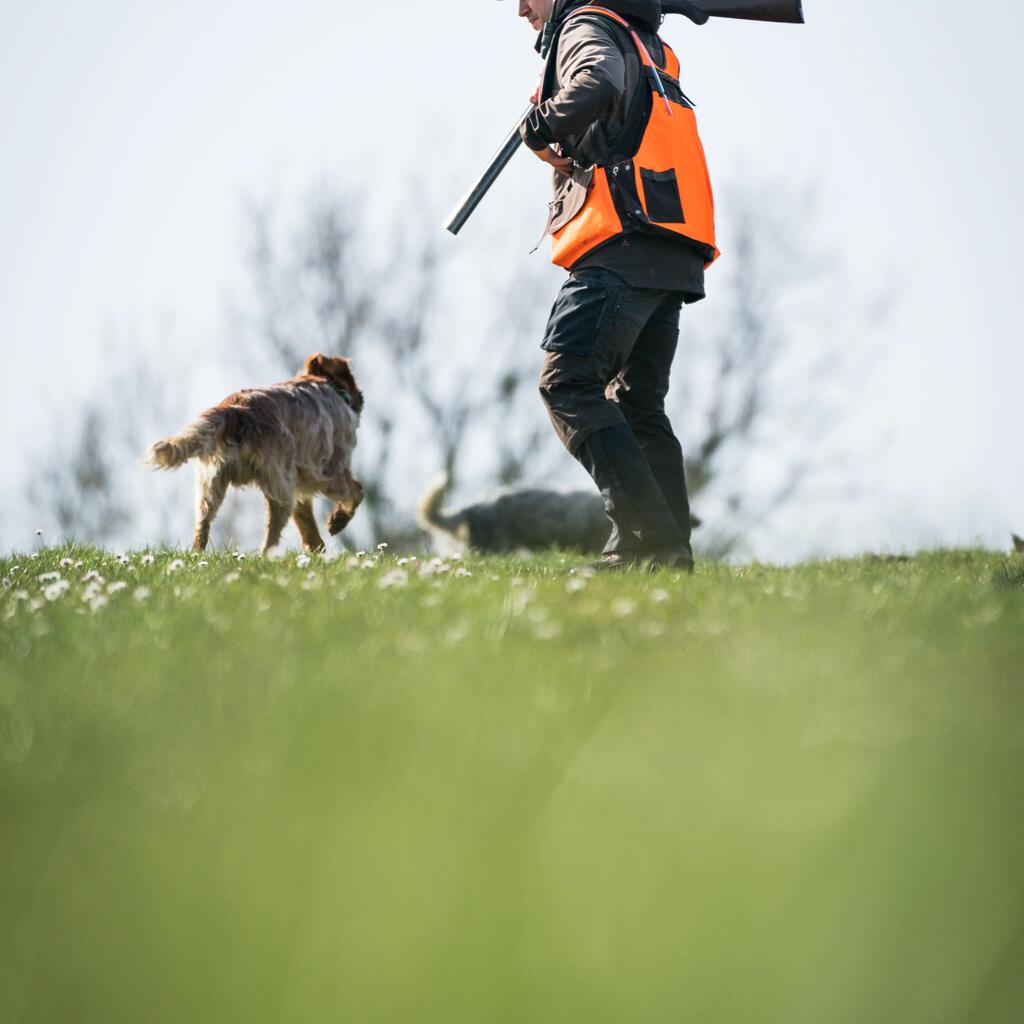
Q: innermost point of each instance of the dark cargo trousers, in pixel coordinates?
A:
(605, 379)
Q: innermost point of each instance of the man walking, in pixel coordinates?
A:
(633, 223)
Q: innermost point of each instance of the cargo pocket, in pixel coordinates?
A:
(578, 315)
(661, 196)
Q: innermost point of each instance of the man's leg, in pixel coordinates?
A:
(593, 328)
(640, 389)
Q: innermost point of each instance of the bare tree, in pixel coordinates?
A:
(741, 389)
(78, 487)
(481, 386)
(317, 287)
(755, 383)
(90, 484)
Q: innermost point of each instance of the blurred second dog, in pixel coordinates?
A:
(515, 519)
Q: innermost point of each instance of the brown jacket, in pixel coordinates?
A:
(593, 108)
(592, 81)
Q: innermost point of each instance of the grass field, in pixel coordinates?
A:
(241, 790)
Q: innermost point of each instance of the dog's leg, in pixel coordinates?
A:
(278, 514)
(348, 493)
(210, 492)
(306, 522)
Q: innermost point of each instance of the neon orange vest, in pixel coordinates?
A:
(663, 189)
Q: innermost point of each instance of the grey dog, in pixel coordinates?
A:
(513, 519)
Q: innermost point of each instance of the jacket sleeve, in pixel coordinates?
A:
(592, 73)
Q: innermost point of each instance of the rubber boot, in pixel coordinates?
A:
(644, 528)
(672, 482)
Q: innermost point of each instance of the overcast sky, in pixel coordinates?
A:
(130, 132)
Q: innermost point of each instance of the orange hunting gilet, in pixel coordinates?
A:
(663, 188)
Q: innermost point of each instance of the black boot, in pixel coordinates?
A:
(672, 481)
(644, 528)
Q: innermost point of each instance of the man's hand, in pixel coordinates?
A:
(562, 164)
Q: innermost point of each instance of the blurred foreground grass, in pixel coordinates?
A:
(271, 791)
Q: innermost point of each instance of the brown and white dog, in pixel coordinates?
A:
(292, 440)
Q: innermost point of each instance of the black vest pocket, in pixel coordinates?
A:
(661, 196)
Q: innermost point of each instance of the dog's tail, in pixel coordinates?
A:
(429, 514)
(197, 439)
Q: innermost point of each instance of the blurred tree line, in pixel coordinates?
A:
(761, 381)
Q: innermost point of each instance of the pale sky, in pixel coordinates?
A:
(130, 132)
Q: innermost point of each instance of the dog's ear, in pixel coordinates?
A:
(348, 382)
(314, 366)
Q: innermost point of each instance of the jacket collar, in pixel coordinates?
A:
(647, 13)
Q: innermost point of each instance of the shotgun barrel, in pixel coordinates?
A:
(698, 11)
(471, 200)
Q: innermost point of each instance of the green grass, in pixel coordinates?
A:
(257, 791)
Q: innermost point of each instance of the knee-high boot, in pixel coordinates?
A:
(672, 481)
(642, 520)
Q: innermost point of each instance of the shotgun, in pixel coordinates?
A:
(698, 11)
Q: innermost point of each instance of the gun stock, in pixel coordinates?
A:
(790, 12)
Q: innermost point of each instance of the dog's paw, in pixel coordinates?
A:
(340, 517)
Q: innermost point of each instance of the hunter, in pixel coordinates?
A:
(633, 223)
